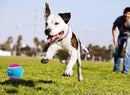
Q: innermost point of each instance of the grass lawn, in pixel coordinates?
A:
(47, 79)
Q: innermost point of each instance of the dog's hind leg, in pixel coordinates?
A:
(80, 78)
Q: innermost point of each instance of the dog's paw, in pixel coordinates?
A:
(68, 73)
(44, 60)
(80, 78)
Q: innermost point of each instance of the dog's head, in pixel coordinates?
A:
(55, 25)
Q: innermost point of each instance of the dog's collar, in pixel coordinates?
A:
(65, 35)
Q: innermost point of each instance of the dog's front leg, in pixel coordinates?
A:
(73, 59)
(52, 50)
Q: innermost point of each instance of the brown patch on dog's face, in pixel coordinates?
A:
(74, 41)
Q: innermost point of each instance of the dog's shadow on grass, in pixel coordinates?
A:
(11, 91)
(45, 82)
(16, 83)
(27, 83)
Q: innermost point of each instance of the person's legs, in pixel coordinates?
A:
(117, 55)
(126, 61)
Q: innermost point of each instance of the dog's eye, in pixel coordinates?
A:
(46, 24)
(56, 23)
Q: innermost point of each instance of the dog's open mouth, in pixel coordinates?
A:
(53, 38)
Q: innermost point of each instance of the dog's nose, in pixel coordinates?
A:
(47, 31)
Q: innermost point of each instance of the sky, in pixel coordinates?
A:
(91, 20)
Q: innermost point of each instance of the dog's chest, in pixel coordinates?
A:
(64, 52)
(67, 46)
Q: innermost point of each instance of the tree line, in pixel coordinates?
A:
(103, 52)
(106, 53)
(18, 48)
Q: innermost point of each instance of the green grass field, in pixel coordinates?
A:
(47, 79)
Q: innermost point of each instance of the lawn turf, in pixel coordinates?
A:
(47, 79)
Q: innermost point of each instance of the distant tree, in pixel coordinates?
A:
(9, 39)
(96, 50)
(103, 52)
(10, 42)
(110, 47)
(18, 46)
(90, 47)
(104, 47)
(43, 45)
(111, 50)
(7, 44)
(37, 43)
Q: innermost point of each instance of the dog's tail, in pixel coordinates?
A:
(84, 48)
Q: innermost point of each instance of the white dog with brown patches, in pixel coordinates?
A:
(60, 37)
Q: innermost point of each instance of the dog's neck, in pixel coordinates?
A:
(65, 35)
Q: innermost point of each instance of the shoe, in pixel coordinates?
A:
(124, 73)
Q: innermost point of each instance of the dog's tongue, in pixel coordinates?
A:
(53, 38)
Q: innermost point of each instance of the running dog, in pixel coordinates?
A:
(62, 40)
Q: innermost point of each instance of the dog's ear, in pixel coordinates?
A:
(47, 11)
(65, 16)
